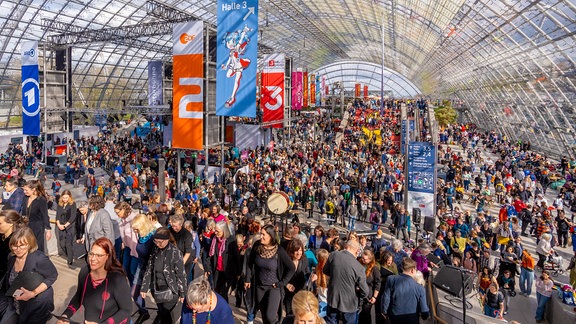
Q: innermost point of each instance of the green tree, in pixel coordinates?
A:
(445, 114)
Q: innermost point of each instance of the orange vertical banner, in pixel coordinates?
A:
(312, 90)
(305, 104)
(365, 92)
(188, 86)
(357, 90)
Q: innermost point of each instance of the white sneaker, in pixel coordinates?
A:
(250, 322)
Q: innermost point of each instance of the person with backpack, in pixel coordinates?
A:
(56, 185)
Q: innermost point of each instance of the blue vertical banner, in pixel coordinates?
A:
(30, 89)
(236, 58)
(421, 177)
(155, 96)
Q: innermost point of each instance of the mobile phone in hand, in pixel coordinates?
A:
(17, 293)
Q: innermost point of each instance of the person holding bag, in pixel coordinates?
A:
(165, 276)
(32, 299)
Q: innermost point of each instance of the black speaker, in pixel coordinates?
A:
(61, 59)
(436, 260)
(449, 279)
(429, 224)
(416, 215)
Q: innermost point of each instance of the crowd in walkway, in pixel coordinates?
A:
(210, 243)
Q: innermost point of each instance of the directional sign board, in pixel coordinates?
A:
(404, 135)
(421, 179)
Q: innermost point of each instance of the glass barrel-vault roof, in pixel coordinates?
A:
(488, 54)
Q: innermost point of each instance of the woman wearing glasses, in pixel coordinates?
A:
(165, 276)
(102, 288)
(27, 305)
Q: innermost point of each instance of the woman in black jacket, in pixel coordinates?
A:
(36, 304)
(373, 278)
(165, 276)
(222, 261)
(35, 207)
(66, 225)
(298, 281)
(269, 269)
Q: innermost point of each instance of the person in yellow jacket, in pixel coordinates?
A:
(330, 211)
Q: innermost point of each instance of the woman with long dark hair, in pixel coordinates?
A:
(66, 225)
(35, 207)
(269, 269)
(102, 288)
(165, 276)
(300, 277)
(10, 221)
(373, 277)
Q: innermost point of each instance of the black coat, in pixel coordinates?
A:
(230, 259)
(36, 310)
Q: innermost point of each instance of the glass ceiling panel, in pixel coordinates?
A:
(486, 52)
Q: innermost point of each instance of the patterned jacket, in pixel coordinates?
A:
(172, 269)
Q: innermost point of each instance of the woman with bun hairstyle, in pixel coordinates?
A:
(10, 221)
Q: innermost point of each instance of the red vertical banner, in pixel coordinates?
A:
(305, 84)
(188, 87)
(272, 90)
(357, 90)
(312, 90)
(365, 92)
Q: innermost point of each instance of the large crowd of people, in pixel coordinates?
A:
(213, 240)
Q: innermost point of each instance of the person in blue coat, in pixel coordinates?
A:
(202, 305)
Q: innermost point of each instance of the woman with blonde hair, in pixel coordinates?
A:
(65, 225)
(305, 308)
(144, 229)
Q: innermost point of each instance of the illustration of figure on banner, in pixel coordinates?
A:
(236, 42)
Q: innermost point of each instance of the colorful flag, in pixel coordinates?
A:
(305, 92)
(272, 92)
(312, 90)
(188, 85)
(297, 91)
(155, 96)
(30, 89)
(236, 58)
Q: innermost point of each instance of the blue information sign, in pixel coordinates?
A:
(421, 163)
(404, 135)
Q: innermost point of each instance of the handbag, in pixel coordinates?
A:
(163, 296)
